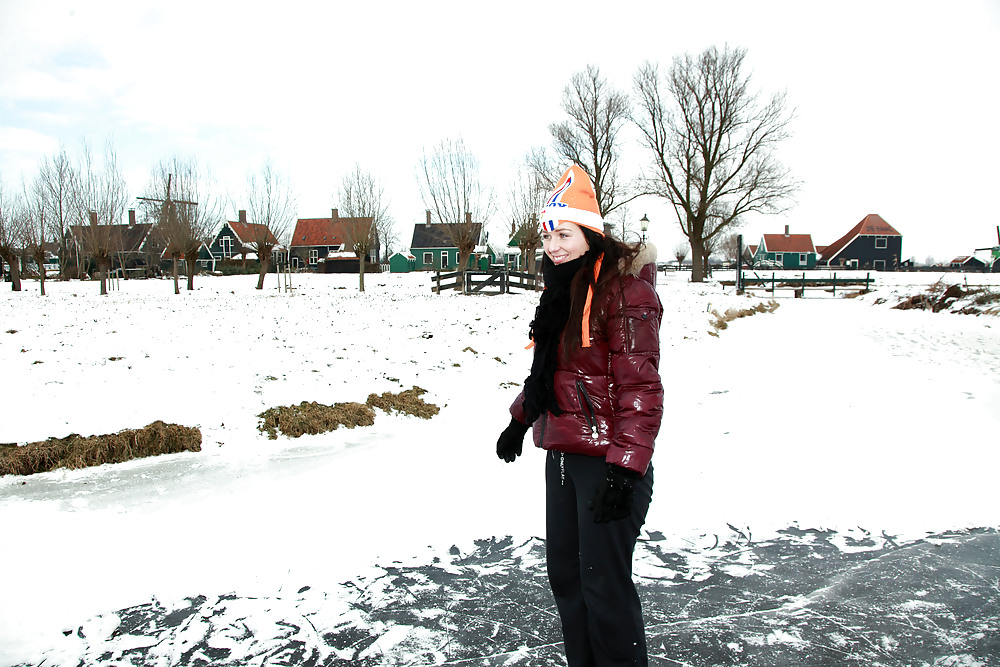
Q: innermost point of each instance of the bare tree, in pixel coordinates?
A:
(11, 236)
(589, 137)
(622, 225)
(386, 238)
(452, 190)
(711, 144)
(33, 227)
(729, 247)
(363, 200)
(526, 199)
(58, 180)
(544, 168)
(103, 200)
(271, 213)
(681, 252)
(184, 211)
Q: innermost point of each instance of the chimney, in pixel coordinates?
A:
(468, 217)
(131, 217)
(243, 217)
(93, 218)
(786, 231)
(336, 215)
(428, 216)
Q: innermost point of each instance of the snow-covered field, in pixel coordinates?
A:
(829, 412)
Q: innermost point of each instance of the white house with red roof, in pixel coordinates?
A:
(786, 251)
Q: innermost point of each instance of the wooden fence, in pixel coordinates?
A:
(495, 281)
(799, 284)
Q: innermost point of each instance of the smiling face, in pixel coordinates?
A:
(564, 243)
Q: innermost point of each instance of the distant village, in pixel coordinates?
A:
(323, 245)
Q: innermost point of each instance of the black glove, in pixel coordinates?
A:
(509, 443)
(613, 499)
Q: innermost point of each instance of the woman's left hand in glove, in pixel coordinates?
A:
(613, 499)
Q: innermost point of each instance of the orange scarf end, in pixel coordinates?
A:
(585, 323)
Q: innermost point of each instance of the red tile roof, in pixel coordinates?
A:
(789, 243)
(871, 225)
(249, 232)
(316, 231)
(324, 231)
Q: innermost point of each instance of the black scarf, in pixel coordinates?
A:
(546, 330)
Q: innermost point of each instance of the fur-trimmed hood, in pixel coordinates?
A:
(646, 255)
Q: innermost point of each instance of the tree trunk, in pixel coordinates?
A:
(40, 261)
(173, 262)
(264, 266)
(15, 273)
(361, 274)
(190, 275)
(463, 267)
(697, 252)
(102, 274)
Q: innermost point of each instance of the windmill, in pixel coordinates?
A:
(995, 257)
(168, 217)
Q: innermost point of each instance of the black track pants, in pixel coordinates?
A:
(590, 564)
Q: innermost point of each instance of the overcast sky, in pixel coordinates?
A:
(896, 103)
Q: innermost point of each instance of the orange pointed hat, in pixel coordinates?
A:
(573, 200)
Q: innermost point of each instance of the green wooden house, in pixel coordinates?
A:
(786, 251)
(432, 249)
(401, 262)
(512, 253)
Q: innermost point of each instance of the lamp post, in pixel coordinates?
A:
(644, 223)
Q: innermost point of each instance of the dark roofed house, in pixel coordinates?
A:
(133, 246)
(871, 244)
(433, 249)
(967, 263)
(786, 251)
(238, 238)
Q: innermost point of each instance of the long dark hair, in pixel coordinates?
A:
(613, 254)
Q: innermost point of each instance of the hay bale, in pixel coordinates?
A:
(75, 451)
(408, 402)
(312, 418)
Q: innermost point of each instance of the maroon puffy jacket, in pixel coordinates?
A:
(611, 392)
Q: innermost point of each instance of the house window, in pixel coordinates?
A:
(227, 246)
(313, 257)
(880, 265)
(779, 258)
(881, 242)
(295, 262)
(444, 260)
(428, 259)
(803, 259)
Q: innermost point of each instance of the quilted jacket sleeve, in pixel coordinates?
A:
(634, 346)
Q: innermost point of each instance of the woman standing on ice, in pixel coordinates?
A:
(594, 400)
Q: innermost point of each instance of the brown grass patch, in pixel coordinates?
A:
(408, 402)
(939, 297)
(722, 320)
(312, 417)
(75, 451)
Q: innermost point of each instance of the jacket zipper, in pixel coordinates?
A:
(585, 401)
